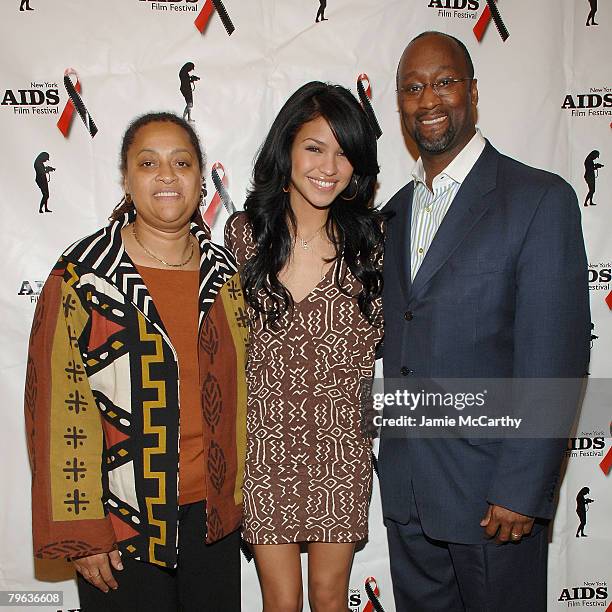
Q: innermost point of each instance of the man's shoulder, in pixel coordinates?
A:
(521, 176)
(400, 199)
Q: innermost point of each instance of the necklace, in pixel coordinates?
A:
(170, 265)
(305, 244)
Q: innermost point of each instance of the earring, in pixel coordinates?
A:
(286, 189)
(356, 190)
(128, 198)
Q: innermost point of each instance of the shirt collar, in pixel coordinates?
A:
(459, 167)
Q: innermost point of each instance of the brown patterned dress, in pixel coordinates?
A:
(308, 470)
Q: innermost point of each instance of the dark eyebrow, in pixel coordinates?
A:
(173, 152)
(314, 140)
(440, 69)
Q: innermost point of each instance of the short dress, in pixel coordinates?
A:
(308, 474)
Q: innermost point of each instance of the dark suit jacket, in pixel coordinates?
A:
(502, 292)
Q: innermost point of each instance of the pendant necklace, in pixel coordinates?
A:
(170, 265)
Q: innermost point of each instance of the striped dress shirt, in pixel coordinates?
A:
(430, 207)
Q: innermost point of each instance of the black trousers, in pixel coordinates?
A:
(207, 578)
(433, 576)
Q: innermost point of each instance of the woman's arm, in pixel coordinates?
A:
(64, 429)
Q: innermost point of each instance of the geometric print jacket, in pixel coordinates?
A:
(102, 404)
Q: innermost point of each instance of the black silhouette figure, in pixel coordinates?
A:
(25, 6)
(593, 336)
(591, 16)
(582, 506)
(590, 174)
(42, 179)
(321, 11)
(187, 88)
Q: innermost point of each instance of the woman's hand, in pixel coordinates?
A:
(96, 569)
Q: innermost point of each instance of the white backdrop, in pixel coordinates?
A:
(128, 54)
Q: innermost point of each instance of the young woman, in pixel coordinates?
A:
(309, 249)
(136, 342)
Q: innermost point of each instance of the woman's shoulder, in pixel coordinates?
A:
(237, 221)
(239, 236)
(97, 249)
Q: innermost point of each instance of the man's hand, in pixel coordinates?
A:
(509, 526)
(96, 569)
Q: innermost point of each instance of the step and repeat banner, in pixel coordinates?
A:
(545, 81)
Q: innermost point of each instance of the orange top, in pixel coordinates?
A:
(175, 293)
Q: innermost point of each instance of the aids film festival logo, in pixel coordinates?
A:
(171, 6)
(600, 276)
(591, 445)
(203, 10)
(597, 102)
(600, 279)
(455, 9)
(593, 593)
(588, 444)
(368, 601)
(36, 99)
(483, 12)
(30, 289)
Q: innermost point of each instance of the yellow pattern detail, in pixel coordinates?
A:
(76, 479)
(147, 407)
(240, 337)
(74, 278)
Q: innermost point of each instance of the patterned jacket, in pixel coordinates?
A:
(102, 407)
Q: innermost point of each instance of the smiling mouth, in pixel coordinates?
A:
(323, 185)
(166, 194)
(435, 121)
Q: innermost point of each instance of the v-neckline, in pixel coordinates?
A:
(315, 287)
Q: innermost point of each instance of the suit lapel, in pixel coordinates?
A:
(402, 241)
(467, 208)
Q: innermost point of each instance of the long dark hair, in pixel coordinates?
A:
(126, 205)
(353, 226)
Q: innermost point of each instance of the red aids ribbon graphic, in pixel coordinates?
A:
(606, 462)
(365, 94)
(74, 103)
(221, 195)
(207, 10)
(609, 300)
(490, 12)
(373, 594)
(68, 113)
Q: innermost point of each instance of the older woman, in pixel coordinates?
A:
(138, 342)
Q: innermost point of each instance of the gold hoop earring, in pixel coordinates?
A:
(356, 190)
(286, 189)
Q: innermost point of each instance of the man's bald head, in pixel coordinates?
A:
(469, 65)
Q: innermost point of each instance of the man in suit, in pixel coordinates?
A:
(485, 277)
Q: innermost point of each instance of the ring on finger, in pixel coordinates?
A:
(516, 536)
